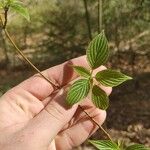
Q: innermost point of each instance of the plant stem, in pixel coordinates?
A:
(100, 127)
(6, 15)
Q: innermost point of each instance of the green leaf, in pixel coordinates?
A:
(99, 98)
(98, 52)
(82, 71)
(78, 91)
(111, 78)
(104, 145)
(20, 9)
(137, 147)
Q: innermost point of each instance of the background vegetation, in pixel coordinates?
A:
(60, 30)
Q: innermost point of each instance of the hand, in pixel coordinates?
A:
(34, 116)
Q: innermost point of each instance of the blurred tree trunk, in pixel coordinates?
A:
(87, 19)
(4, 46)
(25, 33)
(116, 35)
(100, 11)
(132, 58)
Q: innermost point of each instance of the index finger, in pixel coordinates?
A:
(59, 75)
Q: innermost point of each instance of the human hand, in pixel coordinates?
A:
(34, 116)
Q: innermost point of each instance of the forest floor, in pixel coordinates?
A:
(128, 117)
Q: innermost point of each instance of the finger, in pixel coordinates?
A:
(46, 125)
(78, 133)
(60, 74)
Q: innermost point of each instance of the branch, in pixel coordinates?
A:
(100, 127)
(6, 16)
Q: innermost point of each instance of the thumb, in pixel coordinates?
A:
(46, 125)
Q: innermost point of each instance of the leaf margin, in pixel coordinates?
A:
(139, 146)
(105, 77)
(96, 142)
(82, 71)
(20, 9)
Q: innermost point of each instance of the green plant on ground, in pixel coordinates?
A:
(97, 54)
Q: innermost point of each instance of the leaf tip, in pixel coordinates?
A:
(128, 77)
(91, 141)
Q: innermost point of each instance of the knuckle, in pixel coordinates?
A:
(55, 112)
(10, 93)
(71, 142)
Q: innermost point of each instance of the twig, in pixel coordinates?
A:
(5, 15)
(100, 127)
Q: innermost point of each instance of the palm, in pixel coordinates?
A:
(23, 103)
